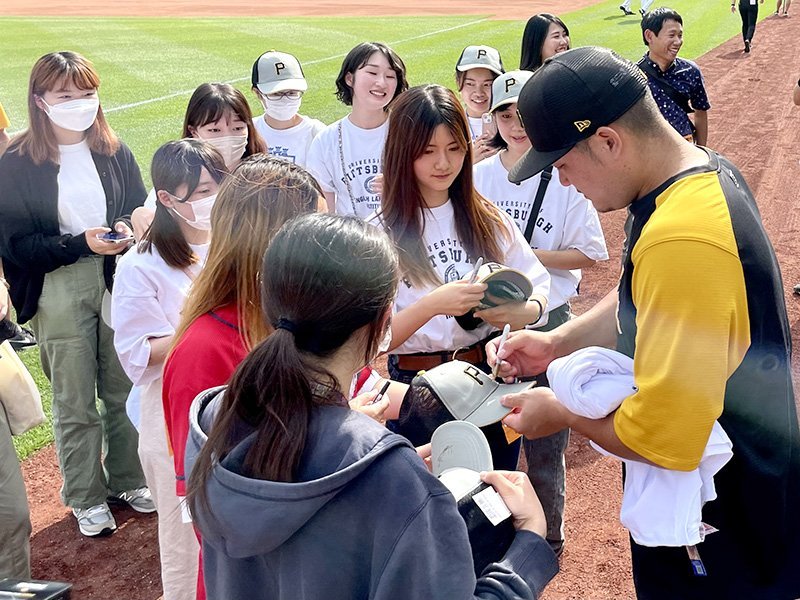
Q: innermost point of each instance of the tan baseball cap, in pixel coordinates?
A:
(506, 88)
(480, 57)
(277, 72)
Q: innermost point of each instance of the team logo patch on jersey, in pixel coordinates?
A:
(582, 125)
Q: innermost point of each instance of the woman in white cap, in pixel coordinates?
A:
(476, 69)
(563, 229)
(279, 84)
(346, 156)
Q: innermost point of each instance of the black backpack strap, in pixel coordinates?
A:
(547, 175)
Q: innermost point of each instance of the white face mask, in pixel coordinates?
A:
(75, 115)
(282, 110)
(231, 147)
(202, 212)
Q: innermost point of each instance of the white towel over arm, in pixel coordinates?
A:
(660, 507)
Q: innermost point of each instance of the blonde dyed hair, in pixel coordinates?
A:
(252, 204)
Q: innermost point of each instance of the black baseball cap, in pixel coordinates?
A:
(568, 98)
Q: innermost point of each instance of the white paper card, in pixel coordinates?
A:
(492, 505)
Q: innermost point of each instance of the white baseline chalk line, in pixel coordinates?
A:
(122, 107)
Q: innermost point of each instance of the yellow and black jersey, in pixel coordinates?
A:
(701, 312)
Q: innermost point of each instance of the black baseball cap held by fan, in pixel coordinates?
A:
(568, 98)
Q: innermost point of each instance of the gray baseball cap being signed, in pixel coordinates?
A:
(568, 98)
(468, 393)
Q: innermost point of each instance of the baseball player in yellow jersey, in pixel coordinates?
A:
(700, 310)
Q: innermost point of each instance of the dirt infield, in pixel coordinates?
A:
(512, 9)
(752, 121)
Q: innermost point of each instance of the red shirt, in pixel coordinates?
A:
(206, 356)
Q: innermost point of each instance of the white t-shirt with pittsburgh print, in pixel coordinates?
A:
(451, 263)
(566, 220)
(291, 144)
(362, 149)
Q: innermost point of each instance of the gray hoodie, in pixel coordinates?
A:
(364, 519)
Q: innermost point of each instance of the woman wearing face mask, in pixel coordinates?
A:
(151, 284)
(279, 84)
(68, 181)
(346, 156)
(545, 36)
(219, 114)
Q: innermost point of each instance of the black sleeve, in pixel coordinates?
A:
(25, 238)
(134, 192)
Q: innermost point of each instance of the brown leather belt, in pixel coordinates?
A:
(423, 361)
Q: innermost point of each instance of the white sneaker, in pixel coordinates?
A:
(139, 499)
(95, 520)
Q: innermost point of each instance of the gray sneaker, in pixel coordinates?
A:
(139, 499)
(95, 520)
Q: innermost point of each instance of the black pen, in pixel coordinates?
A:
(379, 397)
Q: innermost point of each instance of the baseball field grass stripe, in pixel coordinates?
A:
(306, 64)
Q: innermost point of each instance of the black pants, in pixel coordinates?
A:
(749, 14)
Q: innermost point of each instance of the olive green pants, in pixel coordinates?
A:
(96, 447)
(15, 522)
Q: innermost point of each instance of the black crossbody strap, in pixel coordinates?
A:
(547, 175)
(675, 95)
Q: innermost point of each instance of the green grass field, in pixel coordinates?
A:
(150, 66)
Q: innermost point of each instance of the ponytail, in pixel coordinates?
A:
(316, 296)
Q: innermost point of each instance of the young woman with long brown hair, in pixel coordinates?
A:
(441, 226)
(221, 319)
(288, 483)
(67, 182)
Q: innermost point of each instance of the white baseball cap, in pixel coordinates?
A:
(480, 57)
(459, 445)
(468, 393)
(277, 72)
(506, 88)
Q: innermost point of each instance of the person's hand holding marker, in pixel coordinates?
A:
(524, 354)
